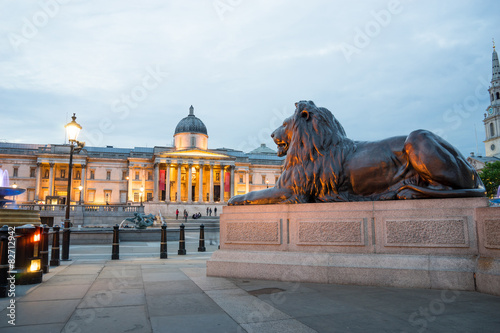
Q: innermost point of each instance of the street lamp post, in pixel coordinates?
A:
(80, 188)
(72, 130)
(142, 193)
(267, 183)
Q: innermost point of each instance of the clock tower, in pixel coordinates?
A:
(492, 116)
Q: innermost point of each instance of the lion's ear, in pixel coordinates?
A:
(305, 114)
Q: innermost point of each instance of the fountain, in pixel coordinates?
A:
(5, 190)
(13, 217)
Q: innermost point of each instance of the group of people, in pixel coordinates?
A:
(195, 215)
(209, 211)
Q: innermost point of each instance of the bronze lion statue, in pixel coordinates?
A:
(323, 165)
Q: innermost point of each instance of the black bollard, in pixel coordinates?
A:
(115, 253)
(65, 242)
(54, 257)
(201, 247)
(4, 261)
(182, 241)
(163, 242)
(44, 252)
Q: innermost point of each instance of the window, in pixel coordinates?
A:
(250, 179)
(107, 196)
(137, 175)
(136, 197)
(498, 95)
(124, 175)
(241, 178)
(263, 179)
(78, 174)
(149, 196)
(150, 175)
(492, 129)
(91, 196)
(217, 176)
(46, 174)
(92, 175)
(63, 173)
(193, 141)
(16, 172)
(32, 172)
(108, 175)
(31, 195)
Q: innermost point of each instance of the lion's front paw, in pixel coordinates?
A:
(409, 193)
(237, 200)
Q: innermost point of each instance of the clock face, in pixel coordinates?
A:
(492, 147)
(490, 111)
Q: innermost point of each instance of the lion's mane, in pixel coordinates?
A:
(315, 154)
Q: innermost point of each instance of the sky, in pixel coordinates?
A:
(130, 70)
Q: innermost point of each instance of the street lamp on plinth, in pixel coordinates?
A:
(267, 183)
(142, 193)
(72, 130)
(80, 188)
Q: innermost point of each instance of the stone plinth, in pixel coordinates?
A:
(438, 243)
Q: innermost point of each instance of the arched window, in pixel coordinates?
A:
(498, 95)
(193, 141)
(492, 129)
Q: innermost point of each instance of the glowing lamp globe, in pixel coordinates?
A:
(73, 129)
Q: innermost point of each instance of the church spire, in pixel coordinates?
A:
(495, 66)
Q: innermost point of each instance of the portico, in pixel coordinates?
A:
(194, 176)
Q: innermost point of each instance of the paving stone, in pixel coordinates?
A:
(112, 319)
(206, 323)
(41, 312)
(180, 304)
(114, 297)
(55, 292)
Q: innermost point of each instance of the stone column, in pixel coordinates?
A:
(178, 182)
(51, 179)
(130, 175)
(190, 183)
(211, 197)
(200, 184)
(167, 183)
(83, 182)
(221, 177)
(38, 180)
(247, 181)
(156, 179)
(231, 192)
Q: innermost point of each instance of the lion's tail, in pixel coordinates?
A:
(460, 193)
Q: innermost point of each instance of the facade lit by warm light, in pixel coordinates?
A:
(189, 173)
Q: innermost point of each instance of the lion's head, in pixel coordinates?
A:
(308, 131)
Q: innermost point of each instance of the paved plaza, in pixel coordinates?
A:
(142, 293)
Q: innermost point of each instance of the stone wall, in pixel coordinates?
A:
(438, 243)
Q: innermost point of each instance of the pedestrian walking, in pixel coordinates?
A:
(177, 214)
(210, 211)
(207, 211)
(185, 215)
(215, 211)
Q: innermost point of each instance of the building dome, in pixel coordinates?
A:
(191, 124)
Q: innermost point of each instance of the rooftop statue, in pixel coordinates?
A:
(323, 165)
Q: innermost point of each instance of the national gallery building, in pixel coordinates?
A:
(187, 174)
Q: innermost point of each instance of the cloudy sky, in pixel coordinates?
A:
(131, 69)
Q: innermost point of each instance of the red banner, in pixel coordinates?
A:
(162, 180)
(227, 182)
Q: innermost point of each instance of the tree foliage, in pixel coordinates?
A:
(490, 175)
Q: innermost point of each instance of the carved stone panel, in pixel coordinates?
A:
(255, 232)
(450, 232)
(331, 232)
(492, 234)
